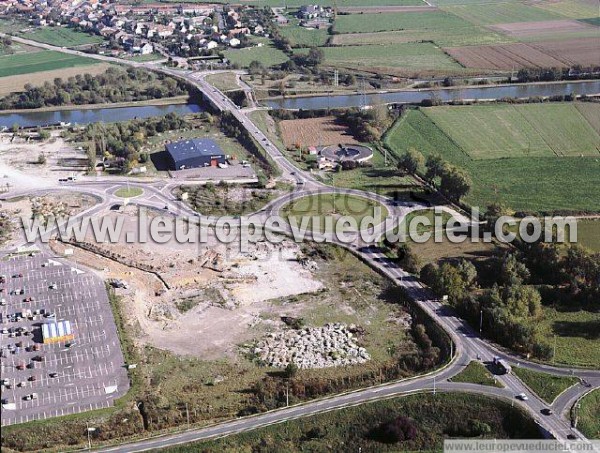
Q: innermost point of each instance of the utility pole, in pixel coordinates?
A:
(187, 413)
(554, 353)
(89, 438)
(480, 322)
(287, 393)
(434, 385)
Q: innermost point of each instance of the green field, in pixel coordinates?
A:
(304, 37)
(436, 417)
(45, 60)
(526, 183)
(589, 415)
(267, 55)
(588, 234)
(500, 13)
(576, 9)
(476, 373)
(472, 35)
(546, 386)
(577, 335)
(334, 206)
(405, 57)
(418, 21)
(129, 192)
(525, 130)
(62, 37)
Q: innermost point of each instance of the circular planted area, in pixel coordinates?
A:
(344, 153)
(129, 192)
(332, 207)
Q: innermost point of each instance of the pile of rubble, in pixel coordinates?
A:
(322, 347)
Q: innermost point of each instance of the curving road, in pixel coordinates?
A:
(468, 344)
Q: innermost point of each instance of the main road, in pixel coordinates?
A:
(468, 345)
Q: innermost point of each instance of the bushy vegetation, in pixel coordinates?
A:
(115, 85)
(506, 296)
(589, 415)
(122, 142)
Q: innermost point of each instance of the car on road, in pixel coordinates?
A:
(522, 397)
(546, 411)
(31, 396)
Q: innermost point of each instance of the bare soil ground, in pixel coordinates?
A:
(216, 294)
(18, 154)
(17, 83)
(503, 57)
(582, 51)
(551, 27)
(314, 132)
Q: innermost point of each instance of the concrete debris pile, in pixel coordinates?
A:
(321, 347)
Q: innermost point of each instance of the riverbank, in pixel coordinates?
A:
(338, 93)
(177, 100)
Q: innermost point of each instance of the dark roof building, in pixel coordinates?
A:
(194, 153)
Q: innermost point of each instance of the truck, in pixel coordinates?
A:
(502, 366)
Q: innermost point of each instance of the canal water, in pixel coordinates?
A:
(86, 116)
(453, 94)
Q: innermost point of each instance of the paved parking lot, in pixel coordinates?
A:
(41, 380)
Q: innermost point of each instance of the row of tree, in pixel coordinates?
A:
(114, 85)
(452, 181)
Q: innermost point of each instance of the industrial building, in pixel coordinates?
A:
(194, 153)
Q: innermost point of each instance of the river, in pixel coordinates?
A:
(114, 114)
(94, 115)
(416, 96)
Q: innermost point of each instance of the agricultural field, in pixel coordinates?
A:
(503, 57)
(548, 30)
(429, 20)
(577, 9)
(470, 35)
(525, 130)
(45, 60)
(578, 51)
(508, 180)
(589, 415)
(435, 417)
(268, 55)
(500, 13)
(320, 131)
(62, 37)
(16, 83)
(409, 58)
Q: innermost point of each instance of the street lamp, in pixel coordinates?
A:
(89, 429)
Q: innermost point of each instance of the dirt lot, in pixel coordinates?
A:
(211, 292)
(19, 159)
(503, 57)
(16, 83)
(314, 132)
(550, 27)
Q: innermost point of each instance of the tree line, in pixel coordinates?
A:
(114, 85)
(452, 181)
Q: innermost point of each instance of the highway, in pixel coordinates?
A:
(468, 345)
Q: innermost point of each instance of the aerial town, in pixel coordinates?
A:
(365, 226)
